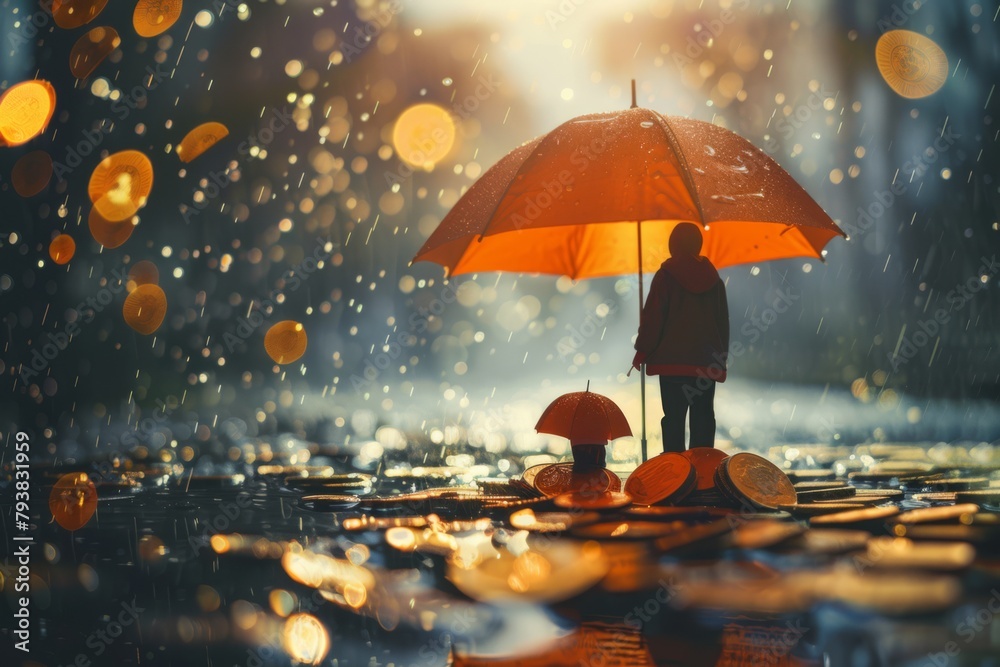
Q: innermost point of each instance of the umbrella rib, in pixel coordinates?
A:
(685, 170)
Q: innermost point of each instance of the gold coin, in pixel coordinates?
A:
(73, 500)
(25, 111)
(120, 184)
(856, 516)
(69, 14)
(705, 460)
(108, 234)
(590, 500)
(200, 139)
(62, 248)
(151, 17)
(913, 65)
(31, 173)
(145, 309)
(667, 477)
(947, 514)
(759, 480)
(142, 273)
(91, 49)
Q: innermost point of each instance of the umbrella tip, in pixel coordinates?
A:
(633, 94)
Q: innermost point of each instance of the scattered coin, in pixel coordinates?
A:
(757, 480)
(328, 503)
(108, 234)
(885, 477)
(153, 17)
(816, 509)
(120, 185)
(200, 139)
(91, 49)
(912, 64)
(666, 513)
(69, 14)
(31, 173)
(948, 514)
(835, 493)
(25, 111)
(855, 516)
(898, 552)
(624, 530)
(811, 475)
(143, 272)
(693, 536)
(590, 500)
(884, 494)
(935, 497)
(765, 533)
(817, 484)
(550, 522)
(829, 541)
(564, 569)
(705, 460)
(665, 478)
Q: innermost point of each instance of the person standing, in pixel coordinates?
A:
(684, 339)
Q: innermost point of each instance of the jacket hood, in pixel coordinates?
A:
(694, 274)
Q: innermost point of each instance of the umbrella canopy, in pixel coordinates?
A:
(585, 418)
(535, 210)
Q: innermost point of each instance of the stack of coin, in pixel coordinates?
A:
(666, 478)
(750, 479)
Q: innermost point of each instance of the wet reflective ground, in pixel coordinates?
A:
(232, 568)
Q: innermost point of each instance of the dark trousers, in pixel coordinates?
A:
(679, 394)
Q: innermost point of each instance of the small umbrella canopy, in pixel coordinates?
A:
(535, 210)
(585, 418)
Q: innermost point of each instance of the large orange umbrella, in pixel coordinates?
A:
(582, 200)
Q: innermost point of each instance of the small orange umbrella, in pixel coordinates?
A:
(580, 200)
(584, 417)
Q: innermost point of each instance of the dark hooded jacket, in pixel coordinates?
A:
(684, 329)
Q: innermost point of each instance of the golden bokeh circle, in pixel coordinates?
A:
(423, 135)
(286, 341)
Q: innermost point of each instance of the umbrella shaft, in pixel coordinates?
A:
(642, 367)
